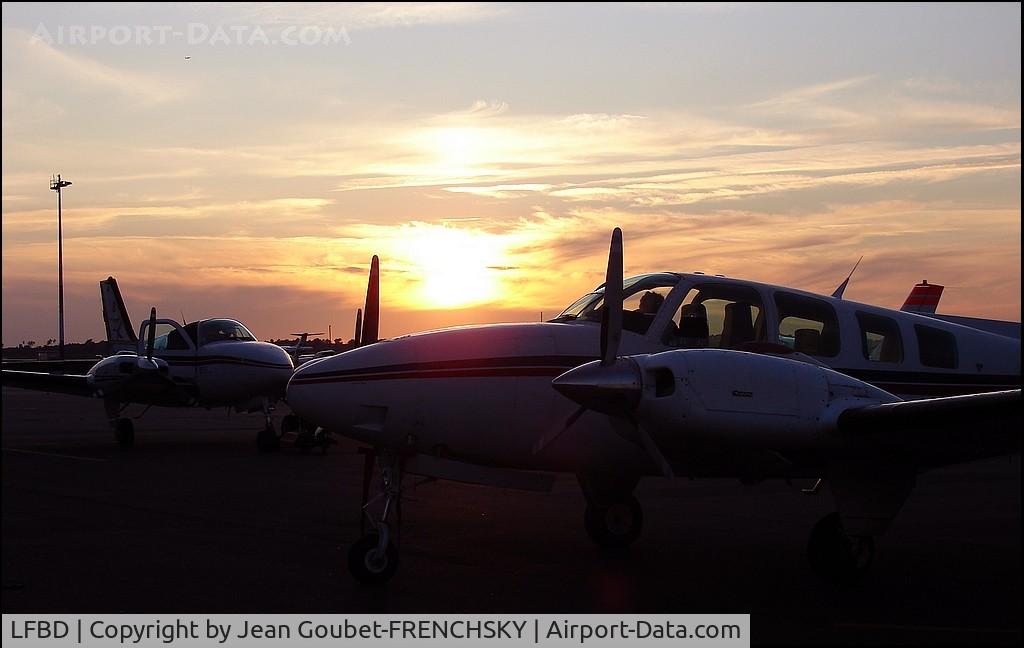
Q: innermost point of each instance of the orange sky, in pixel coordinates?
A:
(484, 152)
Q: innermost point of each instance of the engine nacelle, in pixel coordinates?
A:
(733, 398)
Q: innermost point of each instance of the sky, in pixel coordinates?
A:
(247, 160)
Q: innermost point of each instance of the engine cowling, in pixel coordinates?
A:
(733, 397)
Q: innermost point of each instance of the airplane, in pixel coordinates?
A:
(674, 374)
(208, 363)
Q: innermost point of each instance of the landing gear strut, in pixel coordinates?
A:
(837, 557)
(267, 440)
(373, 559)
(124, 429)
(124, 433)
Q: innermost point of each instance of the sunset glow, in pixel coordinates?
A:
(484, 153)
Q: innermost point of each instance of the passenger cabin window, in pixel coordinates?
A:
(807, 325)
(937, 348)
(642, 298)
(717, 316)
(880, 339)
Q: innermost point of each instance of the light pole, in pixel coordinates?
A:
(56, 184)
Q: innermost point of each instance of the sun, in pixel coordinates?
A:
(457, 266)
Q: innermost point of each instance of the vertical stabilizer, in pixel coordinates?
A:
(923, 299)
(115, 318)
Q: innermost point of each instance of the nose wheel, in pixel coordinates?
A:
(369, 564)
(614, 522)
(836, 557)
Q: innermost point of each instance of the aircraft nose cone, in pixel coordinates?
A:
(615, 389)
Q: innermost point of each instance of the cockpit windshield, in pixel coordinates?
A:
(642, 298)
(223, 330)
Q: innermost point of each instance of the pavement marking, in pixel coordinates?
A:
(52, 454)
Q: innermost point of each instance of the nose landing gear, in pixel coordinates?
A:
(373, 559)
(268, 440)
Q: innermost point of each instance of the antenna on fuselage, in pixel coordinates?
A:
(838, 292)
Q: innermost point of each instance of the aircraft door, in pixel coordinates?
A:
(173, 344)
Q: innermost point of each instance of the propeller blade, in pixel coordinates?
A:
(550, 438)
(653, 451)
(151, 337)
(371, 312)
(611, 317)
(359, 327)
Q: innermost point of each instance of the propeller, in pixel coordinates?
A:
(151, 336)
(371, 311)
(611, 315)
(612, 385)
(148, 363)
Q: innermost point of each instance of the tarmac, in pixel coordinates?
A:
(194, 520)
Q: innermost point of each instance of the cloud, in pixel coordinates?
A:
(90, 74)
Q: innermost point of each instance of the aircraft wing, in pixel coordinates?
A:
(940, 431)
(57, 383)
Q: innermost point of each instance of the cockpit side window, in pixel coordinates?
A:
(166, 338)
(643, 297)
(718, 316)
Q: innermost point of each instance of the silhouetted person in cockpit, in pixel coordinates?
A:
(650, 302)
(639, 320)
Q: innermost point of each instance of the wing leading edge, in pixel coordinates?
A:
(57, 383)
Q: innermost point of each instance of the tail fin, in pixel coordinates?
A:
(371, 310)
(115, 318)
(923, 299)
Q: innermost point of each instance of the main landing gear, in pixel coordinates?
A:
(613, 517)
(836, 557)
(373, 559)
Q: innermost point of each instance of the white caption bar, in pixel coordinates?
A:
(420, 630)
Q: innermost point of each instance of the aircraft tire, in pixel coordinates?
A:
(369, 568)
(614, 524)
(836, 557)
(124, 433)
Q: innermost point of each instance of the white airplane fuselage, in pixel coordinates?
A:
(483, 394)
(207, 373)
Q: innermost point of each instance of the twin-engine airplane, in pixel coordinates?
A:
(678, 375)
(209, 363)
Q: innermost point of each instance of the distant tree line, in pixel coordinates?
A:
(31, 350)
